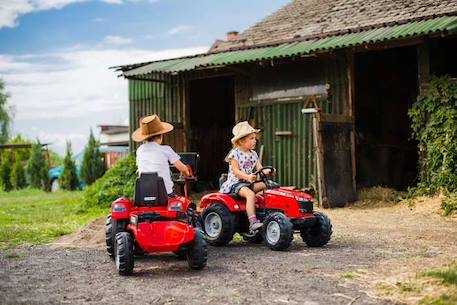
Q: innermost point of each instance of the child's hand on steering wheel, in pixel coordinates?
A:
(252, 178)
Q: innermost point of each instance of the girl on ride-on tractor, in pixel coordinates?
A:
(243, 161)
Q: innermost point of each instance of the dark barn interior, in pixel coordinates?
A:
(386, 85)
(212, 113)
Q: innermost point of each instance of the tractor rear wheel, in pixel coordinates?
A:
(197, 253)
(320, 233)
(112, 227)
(218, 225)
(124, 253)
(278, 231)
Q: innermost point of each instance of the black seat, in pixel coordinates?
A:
(150, 190)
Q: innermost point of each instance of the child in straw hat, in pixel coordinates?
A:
(243, 161)
(151, 156)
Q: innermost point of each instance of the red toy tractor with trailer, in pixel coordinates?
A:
(282, 211)
(153, 223)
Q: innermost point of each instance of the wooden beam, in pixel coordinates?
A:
(351, 113)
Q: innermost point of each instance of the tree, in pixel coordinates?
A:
(92, 166)
(37, 168)
(5, 172)
(18, 175)
(68, 180)
(4, 114)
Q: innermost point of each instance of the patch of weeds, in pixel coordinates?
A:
(12, 254)
(449, 204)
(448, 276)
(386, 289)
(378, 196)
(444, 299)
(353, 274)
(409, 287)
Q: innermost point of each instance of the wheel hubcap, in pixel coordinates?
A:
(273, 232)
(213, 224)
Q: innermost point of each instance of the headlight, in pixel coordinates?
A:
(119, 208)
(134, 220)
(175, 206)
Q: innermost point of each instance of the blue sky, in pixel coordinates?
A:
(54, 54)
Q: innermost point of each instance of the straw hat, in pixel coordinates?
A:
(150, 126)
(241, 130)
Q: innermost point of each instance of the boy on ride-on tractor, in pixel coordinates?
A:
(243, 161)
(151, 156)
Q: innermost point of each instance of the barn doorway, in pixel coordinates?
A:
(386, 86)
(212, 116)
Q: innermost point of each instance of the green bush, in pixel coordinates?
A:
(117, 181)
(449, 204)
(37, 168)
(434, 126)
(92, 166)
(5, 172)
(68, 180)
(18, 175)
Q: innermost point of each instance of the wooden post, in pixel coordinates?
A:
(423, 65)
(323, 201)
(351, 113)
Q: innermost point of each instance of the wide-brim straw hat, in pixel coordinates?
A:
(241, 130)
(150, 126)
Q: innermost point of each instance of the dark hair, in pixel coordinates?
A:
(153, 138)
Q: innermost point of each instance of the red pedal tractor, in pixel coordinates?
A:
(154, 223)
(282, 211)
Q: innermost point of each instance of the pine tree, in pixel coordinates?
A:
(92, 166)
(18, 175)
(37, 168)
(5, 173)
(68, 180)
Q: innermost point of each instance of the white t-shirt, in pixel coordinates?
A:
(153, 157)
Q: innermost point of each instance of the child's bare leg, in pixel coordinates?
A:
(259, 187)
(247, 193)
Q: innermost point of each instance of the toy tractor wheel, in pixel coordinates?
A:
(112, 227)
(320, 233)
(197, 253)
(218, 225)
(278, 231)
(124, 253)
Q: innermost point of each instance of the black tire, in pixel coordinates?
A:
(255, 239)
(197, 253)
(320, 233)
(181, 253)
(124, 253)
(275, 240)
(220, 231)
(112, 227)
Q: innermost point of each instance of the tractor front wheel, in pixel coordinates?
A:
(112, 227)
(218, 225)
(197, 253)
(124, 253)
(278, 231)
(320, 233)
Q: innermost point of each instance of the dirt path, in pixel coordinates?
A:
(370, 248)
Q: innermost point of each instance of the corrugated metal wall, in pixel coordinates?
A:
(159, 94)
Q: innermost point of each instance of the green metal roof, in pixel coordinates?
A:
(416, 28)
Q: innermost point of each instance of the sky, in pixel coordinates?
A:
(55, 55)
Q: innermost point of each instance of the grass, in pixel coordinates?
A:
(445, 299)
(35, 217)
(447, 276)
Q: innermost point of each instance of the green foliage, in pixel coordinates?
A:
(35, 217)
(68, 180)
(55, 159)
(22, 153)
(5, 172)
(434, 126)
(18, 175)
(447, 276)
(449, 204)
(117, 181)
(37, 168)
(92, 166)
(4, 114)
(444, 299)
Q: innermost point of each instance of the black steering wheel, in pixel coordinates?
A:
(263, 176)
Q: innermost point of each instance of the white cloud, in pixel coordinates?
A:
(117, 40)
(179, 29)
(66, 92)
(11, 10)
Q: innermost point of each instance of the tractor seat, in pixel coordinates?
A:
(150, 190)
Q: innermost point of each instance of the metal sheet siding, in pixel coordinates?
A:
(416, 28)
(293, 155)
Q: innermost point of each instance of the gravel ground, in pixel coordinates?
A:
(379, 243)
